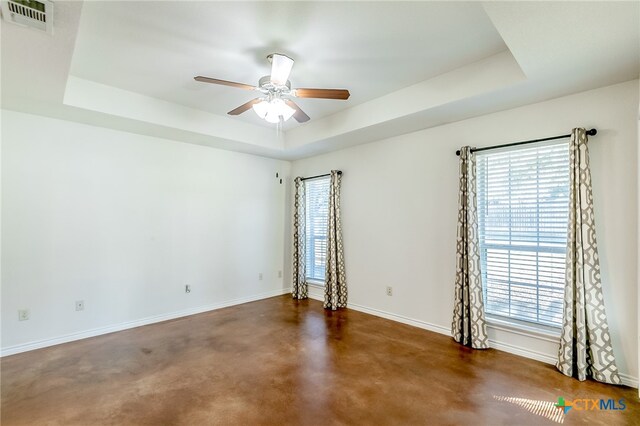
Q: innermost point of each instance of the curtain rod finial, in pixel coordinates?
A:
(592, 132)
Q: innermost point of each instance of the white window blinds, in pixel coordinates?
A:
(523, 201)
(317, 224)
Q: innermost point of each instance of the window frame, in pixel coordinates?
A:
(507, 322)
(313, 281)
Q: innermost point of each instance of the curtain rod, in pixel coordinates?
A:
(591, 132)
(319, 176)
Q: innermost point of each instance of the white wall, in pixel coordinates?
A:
(123, 222)
(399, 203)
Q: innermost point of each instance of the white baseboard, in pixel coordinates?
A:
(628, 380)
(523, 352)
(399, 318)
(499, 345)
(24, 347)
(316, 295)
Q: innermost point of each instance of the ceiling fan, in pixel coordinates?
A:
(274, 104)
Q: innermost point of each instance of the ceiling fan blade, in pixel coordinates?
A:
(340, 94)
(280, 68)
(244, 107)
(299, 115)
(224, 83)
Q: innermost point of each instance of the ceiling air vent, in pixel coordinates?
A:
(29, 13)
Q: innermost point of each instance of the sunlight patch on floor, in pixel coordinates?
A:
(545, 409)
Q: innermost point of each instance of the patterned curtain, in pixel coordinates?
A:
(585, 344)
(468, 326)
(299, 290)
(335, 289)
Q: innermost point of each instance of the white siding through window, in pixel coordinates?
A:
(317, 224)
(523, 201)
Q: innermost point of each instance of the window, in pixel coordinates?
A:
(523, 202)
(317, 224)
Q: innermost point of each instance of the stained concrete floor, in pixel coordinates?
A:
(278, 361)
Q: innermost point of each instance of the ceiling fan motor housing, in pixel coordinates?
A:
(267, 86)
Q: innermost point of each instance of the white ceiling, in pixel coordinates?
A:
(409, 65)
(156, 48)
(562, 41)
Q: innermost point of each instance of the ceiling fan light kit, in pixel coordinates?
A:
(275, 106)
(273, 110)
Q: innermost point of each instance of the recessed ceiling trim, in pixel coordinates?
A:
(491, 74)
(97, 97)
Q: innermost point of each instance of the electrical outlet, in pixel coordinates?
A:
(187, 288)
(23, 314)
(389, 291)
(79, 305)
(279, 274)
(260, 276)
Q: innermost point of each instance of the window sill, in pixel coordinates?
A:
(315, 283)
(530, 330)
